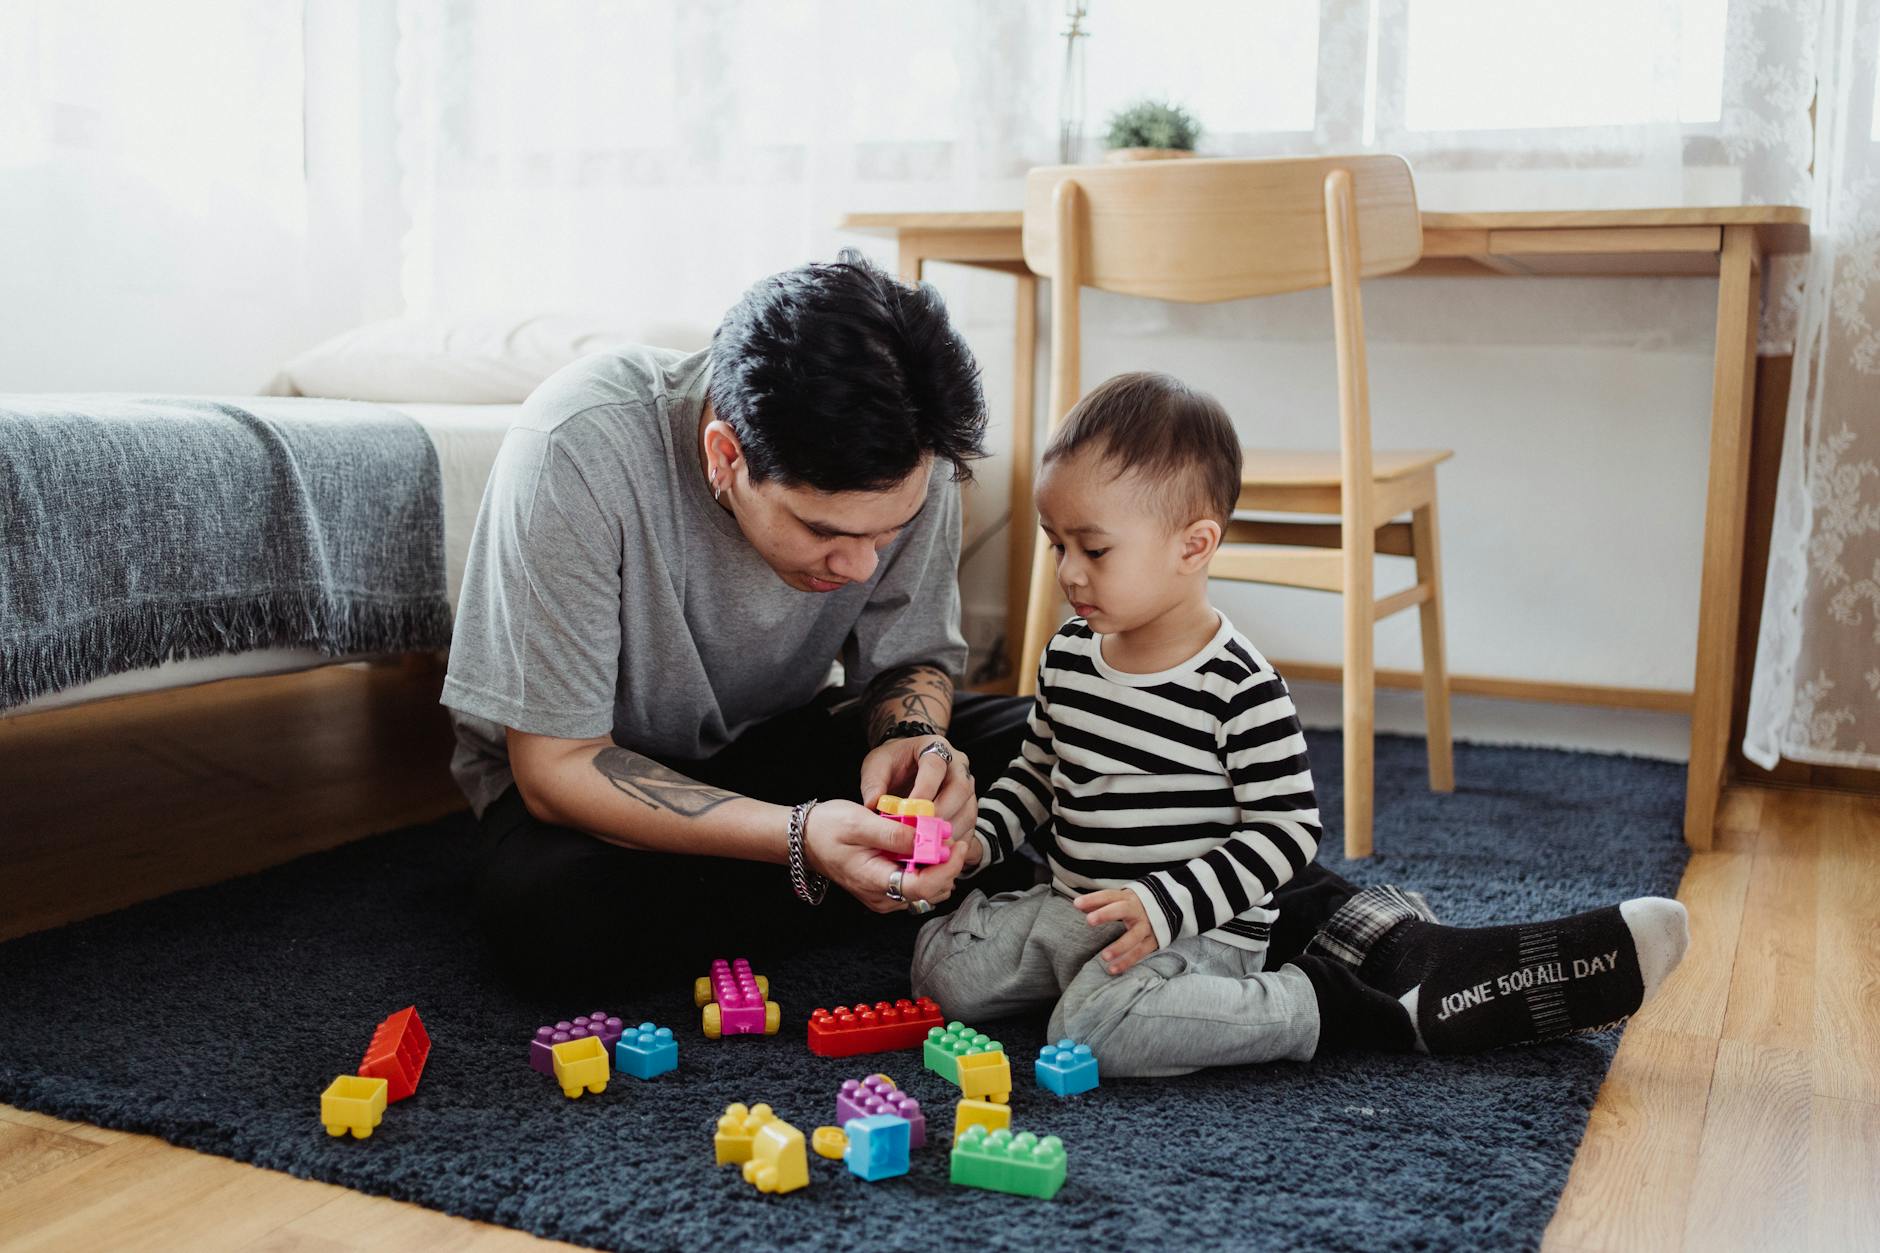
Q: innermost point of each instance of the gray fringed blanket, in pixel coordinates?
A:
(135, 530)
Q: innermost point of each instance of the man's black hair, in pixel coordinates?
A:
(839, 378)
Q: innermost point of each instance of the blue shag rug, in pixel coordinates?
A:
(214, 1018)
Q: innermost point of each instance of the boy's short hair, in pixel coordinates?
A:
(1179, 440)
(839, 378)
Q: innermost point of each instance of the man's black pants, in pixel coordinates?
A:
(571, 916)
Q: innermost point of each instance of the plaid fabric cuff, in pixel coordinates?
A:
(1363, 920)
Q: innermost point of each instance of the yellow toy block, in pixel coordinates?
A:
(778, 1162)
(737, 1128)
(987, 1114)
(352, 1104)
(986, 1076)
(900, 807)
(581, 1064)
(830, 1142)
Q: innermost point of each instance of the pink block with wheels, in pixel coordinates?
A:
(740, 1003)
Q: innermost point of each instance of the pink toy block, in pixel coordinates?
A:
(931, 839)
(864, 1098)
(607, 1026)
(740, 1001)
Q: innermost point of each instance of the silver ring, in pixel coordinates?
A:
(919, 906)
(938, 748)
(895, 877)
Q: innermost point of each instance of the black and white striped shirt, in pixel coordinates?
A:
(1189, 786)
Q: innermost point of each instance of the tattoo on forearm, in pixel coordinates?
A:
(920, 692)
(656, 786)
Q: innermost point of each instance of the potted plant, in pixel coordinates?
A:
(1151, 130)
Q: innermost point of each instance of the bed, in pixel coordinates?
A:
(469, 377)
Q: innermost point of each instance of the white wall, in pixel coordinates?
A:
(1572, 513)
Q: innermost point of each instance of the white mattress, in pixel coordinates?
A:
(466, 438)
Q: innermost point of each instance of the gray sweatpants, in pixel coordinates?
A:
(1194, 1004)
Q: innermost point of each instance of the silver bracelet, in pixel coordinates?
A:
(809, 886)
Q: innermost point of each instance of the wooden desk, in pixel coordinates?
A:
(1727, 242)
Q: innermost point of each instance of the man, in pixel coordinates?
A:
(671, 552)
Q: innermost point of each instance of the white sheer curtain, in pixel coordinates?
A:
(1816, 693)
(151, 182)
(663, 154)
(659, 155)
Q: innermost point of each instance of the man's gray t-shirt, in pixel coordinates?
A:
(607, 593)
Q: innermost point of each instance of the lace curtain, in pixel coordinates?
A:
(661, 154)
(1816, 692)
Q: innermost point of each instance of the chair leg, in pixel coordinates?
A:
(1429, 559)
(1360, 712)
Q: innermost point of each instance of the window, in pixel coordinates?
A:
(1529, 64)
(1240, 67)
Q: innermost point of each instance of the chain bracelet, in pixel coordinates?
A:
(809, 886)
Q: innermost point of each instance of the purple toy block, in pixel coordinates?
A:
(740, 1004)
(864, 1098)
(541, 1049)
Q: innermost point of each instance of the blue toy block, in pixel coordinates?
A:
(645, 1051)
(1066, 1068)
(878, 1146)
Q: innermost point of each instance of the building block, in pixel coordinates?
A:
(986, 1076)
(645, 1051)
(778, 1162)
(987, 1114)
(737, 1127)
(353, 1103)
(737, 1005)
(878, 1146)
(1066, 1068)
(932, 836)
(879, 1028)
(606, 1026)
(945, 1046)
(865, 1098)
(1021, 1164)
(581, 1064)
(396, 1053)
(830, 1142)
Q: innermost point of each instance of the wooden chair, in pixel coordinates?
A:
(1208, 230)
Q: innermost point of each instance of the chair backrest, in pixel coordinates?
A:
(1222, 229)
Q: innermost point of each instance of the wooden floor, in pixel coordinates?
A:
(1743, 1111)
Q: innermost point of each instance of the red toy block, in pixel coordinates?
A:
(877, 1028)
(397, 1053)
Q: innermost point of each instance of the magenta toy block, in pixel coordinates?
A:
(740, 1001)
(931, 837)
(606, 1026)
(864, 1098)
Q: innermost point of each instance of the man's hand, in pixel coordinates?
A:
(1124, 906)
(898, 768)
(858, 849)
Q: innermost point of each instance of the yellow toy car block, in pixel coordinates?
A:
(778, 1162)
(901, 807)
(737, 1128)
(353, 1104)
(581, 1063)
(986, 1076)
(987, 1114)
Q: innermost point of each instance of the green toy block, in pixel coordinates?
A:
(999, 1161)
(943, 1049)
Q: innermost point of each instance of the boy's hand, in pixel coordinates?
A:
(1124, 906)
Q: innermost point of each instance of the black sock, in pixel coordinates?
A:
(1353, 1015)
(1470, 989)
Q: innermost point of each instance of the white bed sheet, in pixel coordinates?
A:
(466, 438)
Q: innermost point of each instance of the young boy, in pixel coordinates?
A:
(1164, 773)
